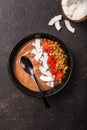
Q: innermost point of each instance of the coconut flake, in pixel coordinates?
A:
(37, 42)
(41, 59)
(34, 51)
(49, 73)
(69, 27)
(48, 84)
(57, 25)
(46, 78)
(43, 70)
(38, 50)
(54, 19)
(51, 84)
(45, 57)
(33, 44)
(38, 56)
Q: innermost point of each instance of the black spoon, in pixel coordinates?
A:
(28, 67)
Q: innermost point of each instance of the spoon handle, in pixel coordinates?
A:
(42, 95)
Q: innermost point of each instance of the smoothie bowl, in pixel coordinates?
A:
(51, 60)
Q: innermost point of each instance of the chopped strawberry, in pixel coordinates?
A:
(53, 70)
(58, 75)
(45, 46)
(50, 58)
(53, 63)
(49, 50)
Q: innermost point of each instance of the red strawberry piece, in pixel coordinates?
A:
(49, 50)
(53, 63)
(45, 46)
(50, 58)
(53, 70)
(58, 75)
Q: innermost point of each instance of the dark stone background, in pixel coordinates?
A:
(69, 107)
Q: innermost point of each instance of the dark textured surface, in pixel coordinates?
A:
(69, 107)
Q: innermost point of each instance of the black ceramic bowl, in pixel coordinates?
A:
(23, 88)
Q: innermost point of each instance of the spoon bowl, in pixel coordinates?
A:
(27, 65)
